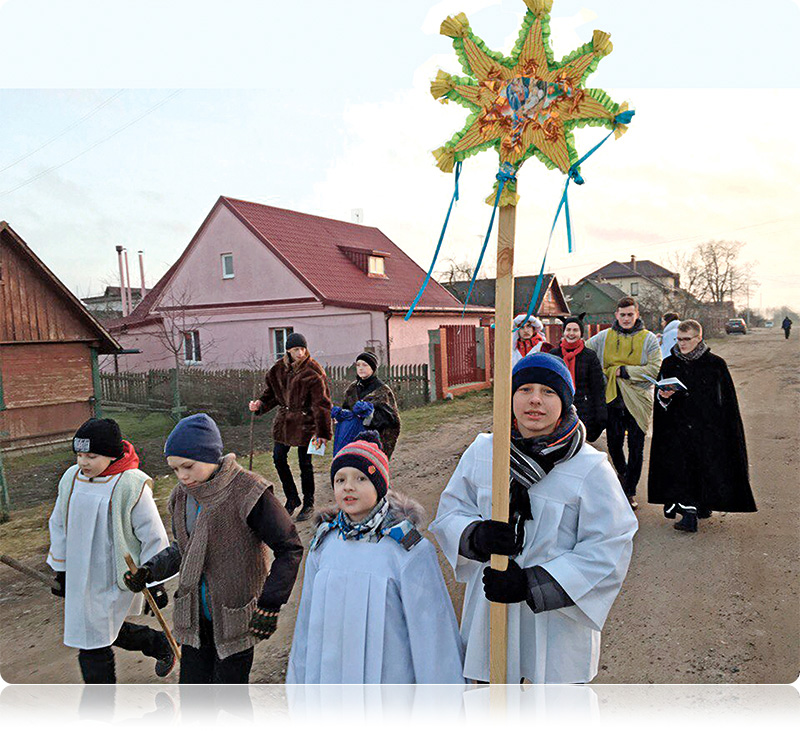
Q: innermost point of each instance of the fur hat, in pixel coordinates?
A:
(549, 371)
(365, 454)
(99, 436)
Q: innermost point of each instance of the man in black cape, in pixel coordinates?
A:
(698, 456)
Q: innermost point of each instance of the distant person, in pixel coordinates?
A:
(628, 353)
(669, 335)
(698, 457)
(298, 386)
(587, 375)
(787, 327)
(527, 338)
(385, 418)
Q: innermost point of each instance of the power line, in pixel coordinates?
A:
(91, 147)
(64, 131)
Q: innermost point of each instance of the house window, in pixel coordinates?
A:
(279, 335)
(587, 296)
(227, 266)
(634, 288)
(191, 346)
(375, 267)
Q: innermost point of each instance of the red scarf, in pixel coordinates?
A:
(526, 346)
(128, 461)
(569, 352)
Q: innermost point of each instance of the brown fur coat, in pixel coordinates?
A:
(300, 391)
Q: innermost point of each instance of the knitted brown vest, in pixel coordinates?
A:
(224, 549)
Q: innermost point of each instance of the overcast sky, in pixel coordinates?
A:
(123, 121)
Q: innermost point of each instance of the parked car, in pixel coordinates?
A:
(736, 325)
(768, 323)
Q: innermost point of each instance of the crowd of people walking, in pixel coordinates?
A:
(374, 604)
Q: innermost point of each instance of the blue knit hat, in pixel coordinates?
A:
(195, 437)
(549, 371)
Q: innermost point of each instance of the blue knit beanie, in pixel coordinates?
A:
(549, 371)
(195, 437)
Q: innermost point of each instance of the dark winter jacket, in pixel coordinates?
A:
(698, 455)
(590, 392)
(300, 391)
(385, 419)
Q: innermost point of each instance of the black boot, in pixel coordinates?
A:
(687, 523)
(306, 512)
(291, 504)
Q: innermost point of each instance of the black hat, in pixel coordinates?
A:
(577, 319)
(99, 436)
(370, 359)
(296, 340)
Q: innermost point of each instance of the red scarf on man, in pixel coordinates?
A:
(128, 461)
(526, 346)
(569, 352)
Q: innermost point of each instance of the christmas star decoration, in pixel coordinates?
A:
(526, 104)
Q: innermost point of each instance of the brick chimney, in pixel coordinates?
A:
(633, 262)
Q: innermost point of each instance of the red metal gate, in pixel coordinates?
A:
(462, 354)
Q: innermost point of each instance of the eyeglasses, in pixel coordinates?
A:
(686, 340)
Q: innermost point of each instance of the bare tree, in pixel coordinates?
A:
(455, 271)
(178, 332)
(718, 275)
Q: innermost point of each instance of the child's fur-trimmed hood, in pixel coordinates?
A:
(401, 507)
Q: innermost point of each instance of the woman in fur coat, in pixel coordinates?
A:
(587, 375)
(698, 456)
(385, 419)
(298, 387)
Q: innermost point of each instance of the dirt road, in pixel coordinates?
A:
(717, 606)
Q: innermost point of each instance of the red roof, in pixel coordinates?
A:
(314, 249)
(322, 253)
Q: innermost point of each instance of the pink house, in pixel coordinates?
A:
(252, 274)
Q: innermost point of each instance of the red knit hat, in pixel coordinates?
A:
(366, 455)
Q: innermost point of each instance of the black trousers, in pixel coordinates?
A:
(620, 422)
(97, 666)
(203, 665)
(280, 456)
(786, 332)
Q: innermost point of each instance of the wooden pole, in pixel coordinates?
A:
(252, 426)
(156, 611)
(48, 581)
(503, 324)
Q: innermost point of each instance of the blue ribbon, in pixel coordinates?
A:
(438, 246)
(573, 174)
(506, 174)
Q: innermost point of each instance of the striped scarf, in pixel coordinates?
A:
(699, 350)
(533, 458)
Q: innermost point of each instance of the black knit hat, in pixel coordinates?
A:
(99, 436)
(370, 359)
(296, 340)
(577, 319)
(365, 454)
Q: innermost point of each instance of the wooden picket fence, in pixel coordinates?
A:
(225, 393)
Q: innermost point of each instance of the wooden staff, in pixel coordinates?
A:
(152, 602)
(252, 424)
(501, 439)
(48, 581)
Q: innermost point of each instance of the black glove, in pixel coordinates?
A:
(61, 579)
(160, 597)
(494, 536)
(623, 372)
(507, 587)
(263, 623)
(137, 581)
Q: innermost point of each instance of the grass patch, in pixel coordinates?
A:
(427, 418)
(138, 426)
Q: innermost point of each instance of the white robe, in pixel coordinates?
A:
(581, 533)
(374, 613)
(94, 606)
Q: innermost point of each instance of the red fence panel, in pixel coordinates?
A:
(462, 350)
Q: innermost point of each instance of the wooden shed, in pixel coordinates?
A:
(49, 343)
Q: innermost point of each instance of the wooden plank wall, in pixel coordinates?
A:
(31, 308)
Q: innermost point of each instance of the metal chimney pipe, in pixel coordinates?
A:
(141, 270)
(123, 300)
(128, 282)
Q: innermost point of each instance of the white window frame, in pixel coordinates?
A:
(634, 289)
(287, 331)
(229, 257)
(191, 347)
(376, 266)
